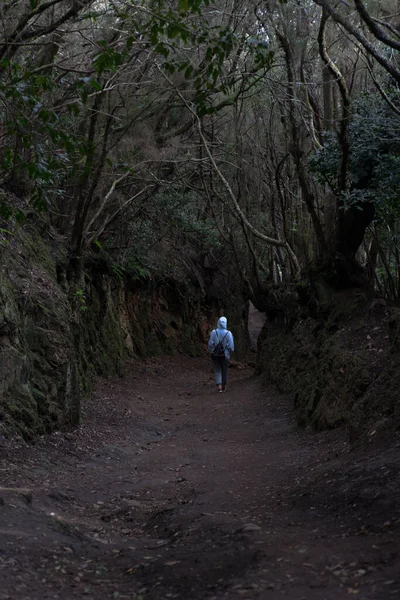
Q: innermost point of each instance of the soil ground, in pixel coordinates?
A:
(170, 490)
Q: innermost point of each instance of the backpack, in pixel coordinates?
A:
(219, 350)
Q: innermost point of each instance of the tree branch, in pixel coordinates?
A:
(344, 122)
(258, 234)
(374, 27)
(346, 24)
(10, 45)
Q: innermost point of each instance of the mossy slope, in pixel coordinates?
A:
(341, 368)
(55, 336)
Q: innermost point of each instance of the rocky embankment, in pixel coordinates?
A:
(56, 335)
(342, 367)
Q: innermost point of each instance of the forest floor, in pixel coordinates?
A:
(170, 490)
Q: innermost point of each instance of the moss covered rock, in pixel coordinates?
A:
(57, 333)
(341, 368)
(38, 375)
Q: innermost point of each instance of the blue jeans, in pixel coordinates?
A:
(220, 366)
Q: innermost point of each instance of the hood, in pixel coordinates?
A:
(222, 323)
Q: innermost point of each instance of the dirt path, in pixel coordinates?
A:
(169, 490)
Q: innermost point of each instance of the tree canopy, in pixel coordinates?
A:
(157, 132)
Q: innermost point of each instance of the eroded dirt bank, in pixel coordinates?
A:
(169, 490)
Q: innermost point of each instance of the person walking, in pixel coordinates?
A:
(220, 345)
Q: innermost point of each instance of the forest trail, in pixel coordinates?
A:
(169, 490)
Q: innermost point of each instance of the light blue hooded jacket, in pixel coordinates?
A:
(219, 334)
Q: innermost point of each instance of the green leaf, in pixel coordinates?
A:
(95, 84)
(188, 71)
(20, 216)
(5, 210)
(162, 49)
(170, 68)
(183, 6)
(173, 30)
